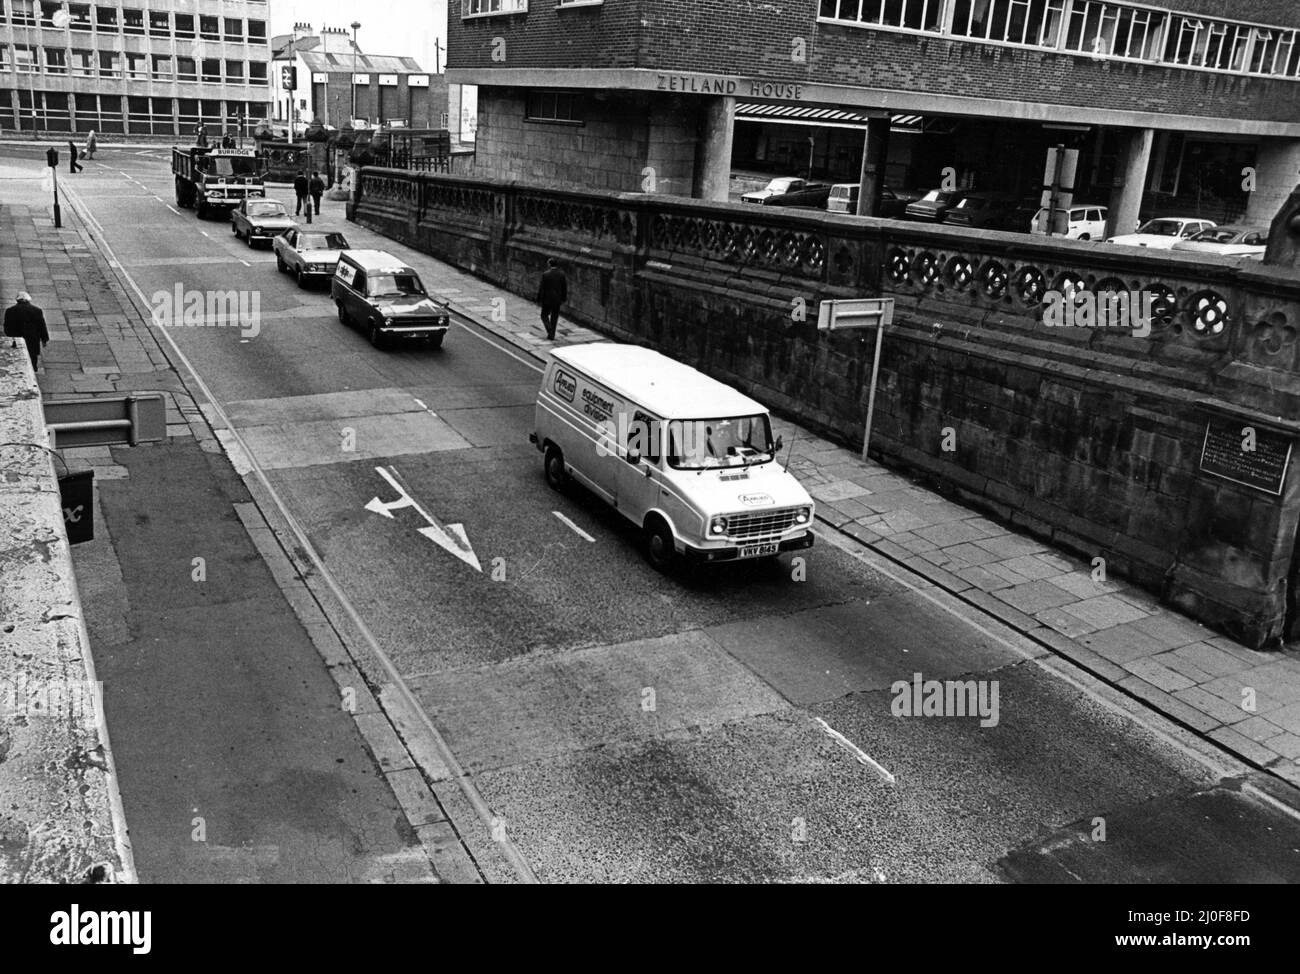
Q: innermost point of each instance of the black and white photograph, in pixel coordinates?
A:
(663, 443)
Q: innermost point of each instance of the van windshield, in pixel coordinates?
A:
(393, 285)
(699, 444)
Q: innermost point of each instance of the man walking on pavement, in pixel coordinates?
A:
(301, 187)
(551, 293)
(317, 187)
(73, 155)
(26, 321)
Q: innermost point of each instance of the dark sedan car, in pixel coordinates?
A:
(987, 210)
(935, 205)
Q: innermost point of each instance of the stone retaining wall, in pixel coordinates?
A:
(61, 820)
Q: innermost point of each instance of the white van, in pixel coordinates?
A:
(687, 459)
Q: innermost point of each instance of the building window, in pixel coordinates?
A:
(1097, 28)
(910, 14)
(24, 59)
(22, 12)
(48, 10)
(257, 31)
(161, 69)
(211, 69)
(257, 73)
(235, 72)
(132, 21)
(106, 18)
(554, 106)
(210, 28)
(135, 66)
(79, 16)
(184, 25)
(83, 63)
(483, 8)
(56, 60)
(1034, 22)
(234, 29)
(110, 64)
(160, 23)
(187, 69)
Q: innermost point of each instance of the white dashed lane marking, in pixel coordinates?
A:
(862, 756)
(576, 530)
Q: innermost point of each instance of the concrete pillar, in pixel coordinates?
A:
(713, 166)
(1277, 173)
(875, 150)
(176, 116)
(126, 115)
(1130, 180)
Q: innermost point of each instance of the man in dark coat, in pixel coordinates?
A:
(26, 321)
(551, 293)
(317, 187)
(73, 155)
(301, 187)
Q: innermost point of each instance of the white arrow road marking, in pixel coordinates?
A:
(449, 537)
(577, 530)
(862, 756)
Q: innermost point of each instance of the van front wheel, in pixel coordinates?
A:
(659, 546)
(556, 476)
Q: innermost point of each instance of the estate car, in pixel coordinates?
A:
(383, 296)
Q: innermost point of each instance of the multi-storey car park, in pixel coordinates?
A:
(148, 68)
(1174, 104)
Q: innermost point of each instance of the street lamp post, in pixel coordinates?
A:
(356, 26)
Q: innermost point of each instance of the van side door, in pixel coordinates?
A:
(640, 463)
(591, 449)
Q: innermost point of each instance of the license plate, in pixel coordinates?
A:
(759, 550)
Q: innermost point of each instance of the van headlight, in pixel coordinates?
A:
(718, 526)
(802, 516)
(388, 322)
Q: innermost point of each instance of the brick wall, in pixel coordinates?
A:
(717, 36)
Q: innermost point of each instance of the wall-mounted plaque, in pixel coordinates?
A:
(1224, 454)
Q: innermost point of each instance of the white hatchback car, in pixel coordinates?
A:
(1083, 222)
(1163, 232)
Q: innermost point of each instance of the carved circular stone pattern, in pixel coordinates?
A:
(925, 269)
(960, 273)
(814, 253)
(899, 267)
(1164, 305)
(994, 280)
(1272, 339)
(1030, 285)
(1209, 314)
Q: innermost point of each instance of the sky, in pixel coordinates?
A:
(402, 28)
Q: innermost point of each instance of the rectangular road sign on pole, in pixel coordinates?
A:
(877, 313)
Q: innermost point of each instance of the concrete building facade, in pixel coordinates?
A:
(152, 67)
(388, 88)
(1172, 103)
